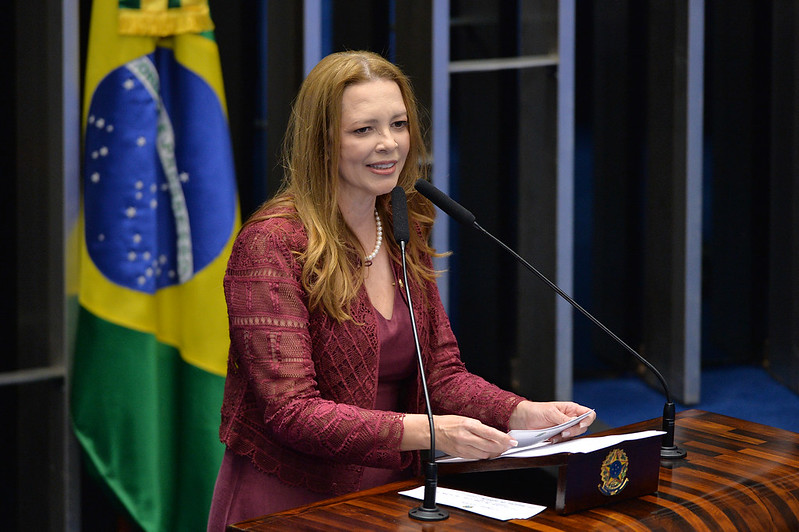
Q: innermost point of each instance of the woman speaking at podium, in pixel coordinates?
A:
(323, 395)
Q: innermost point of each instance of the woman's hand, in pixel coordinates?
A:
(531, 415)
(456, 436)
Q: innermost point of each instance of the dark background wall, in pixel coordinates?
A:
(612, 102)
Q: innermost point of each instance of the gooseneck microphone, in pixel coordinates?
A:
(668, 449)
(428, 511)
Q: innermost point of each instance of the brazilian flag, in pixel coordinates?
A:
(159, 215)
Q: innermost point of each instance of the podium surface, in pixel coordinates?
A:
(738, 475)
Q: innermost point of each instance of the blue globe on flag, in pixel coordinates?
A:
(159, 191)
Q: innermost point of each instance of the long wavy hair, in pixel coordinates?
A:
(331, 263)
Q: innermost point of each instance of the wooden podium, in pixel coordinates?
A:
(738, 475)
(621, 471)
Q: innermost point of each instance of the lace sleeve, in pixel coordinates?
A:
(271, 351)
(453, 390)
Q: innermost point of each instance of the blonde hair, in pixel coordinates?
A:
(310, 159)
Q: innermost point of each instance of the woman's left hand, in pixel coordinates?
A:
(530, 415)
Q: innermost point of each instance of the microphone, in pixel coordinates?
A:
(399, 211)
(668, 449)
(428, 511)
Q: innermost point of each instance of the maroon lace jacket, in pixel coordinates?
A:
(300, 387)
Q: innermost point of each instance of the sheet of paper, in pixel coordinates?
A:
(528, 438)
(501, 509)
(585, 444)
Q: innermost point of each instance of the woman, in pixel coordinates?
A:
(322, 395)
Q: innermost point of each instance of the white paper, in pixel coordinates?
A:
(586, 444)
(501, 509)
(528, 438)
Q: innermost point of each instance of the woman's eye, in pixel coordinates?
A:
(362, 130)
(399, 124)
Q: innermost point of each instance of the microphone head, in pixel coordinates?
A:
(399, 211)
(444, 202)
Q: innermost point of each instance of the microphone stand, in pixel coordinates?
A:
(428, 511)
(668, 450)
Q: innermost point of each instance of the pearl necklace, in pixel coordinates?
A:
(367, 261)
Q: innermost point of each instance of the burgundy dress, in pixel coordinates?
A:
(243, 491)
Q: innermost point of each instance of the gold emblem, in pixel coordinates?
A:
(614, 472)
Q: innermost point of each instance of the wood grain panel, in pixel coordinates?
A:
(738, 475)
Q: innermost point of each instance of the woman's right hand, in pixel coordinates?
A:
(456, 436)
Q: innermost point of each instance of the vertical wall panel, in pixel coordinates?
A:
(564, 216)
(45, 187)
(616, 93)
(672, 272)
(783, 347)
(543, 326)
(737, 152)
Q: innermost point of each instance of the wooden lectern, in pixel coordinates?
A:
(584, 480)
(738, 475)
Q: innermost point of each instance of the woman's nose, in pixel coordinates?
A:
(387, 142)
